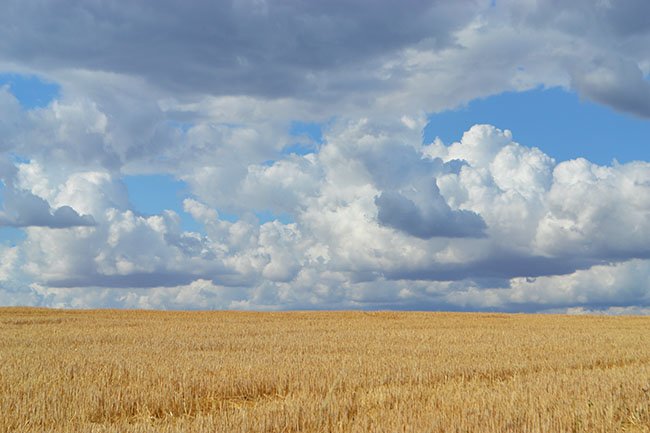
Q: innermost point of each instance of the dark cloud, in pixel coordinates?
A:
(251, 47)
(615, 82)
(628, 17)
(499, 265)
(23, 209)
(584, 17)
(437, 219)
(603, 46)
(156, 278)
(141, 280)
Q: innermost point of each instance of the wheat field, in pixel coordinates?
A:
(144, 371)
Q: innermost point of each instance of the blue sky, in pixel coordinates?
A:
(30, 90)
(555, 120)
(298, 168)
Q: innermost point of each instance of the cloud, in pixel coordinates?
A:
(236, 47)
(602, 287)
(9, 258)
(596, 211)
(397, 211)
(314, 54)
(23, 209)
(377, 219)
(616, 82)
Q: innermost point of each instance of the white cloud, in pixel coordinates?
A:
(22, 208)
(8, 260)
(597, 211)
(605, 287)
(538, 219)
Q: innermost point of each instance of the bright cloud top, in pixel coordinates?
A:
(366, 216)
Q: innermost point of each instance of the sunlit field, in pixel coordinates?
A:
(137, 371)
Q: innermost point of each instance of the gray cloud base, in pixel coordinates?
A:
(397, 211)
(23, 209)
(241, 47)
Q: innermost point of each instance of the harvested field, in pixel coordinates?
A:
(145, 371)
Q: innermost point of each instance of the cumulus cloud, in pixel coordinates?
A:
(596, 211)
(377, 219)
(21, 208)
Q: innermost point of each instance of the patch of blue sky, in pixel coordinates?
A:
(227, 216)
(19, 159)
(11, 236)
(153, 194)
(30, 90)
(265, 216)
(181, 126)
(312, 135)
(556, 121)
(312, 130)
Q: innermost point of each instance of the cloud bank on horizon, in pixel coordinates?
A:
(366, 215)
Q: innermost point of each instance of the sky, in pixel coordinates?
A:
(474, 155)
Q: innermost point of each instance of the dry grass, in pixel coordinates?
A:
(127, 371)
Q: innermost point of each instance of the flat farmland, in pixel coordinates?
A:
(149, 371)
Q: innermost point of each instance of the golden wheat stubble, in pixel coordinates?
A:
(145, 371)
